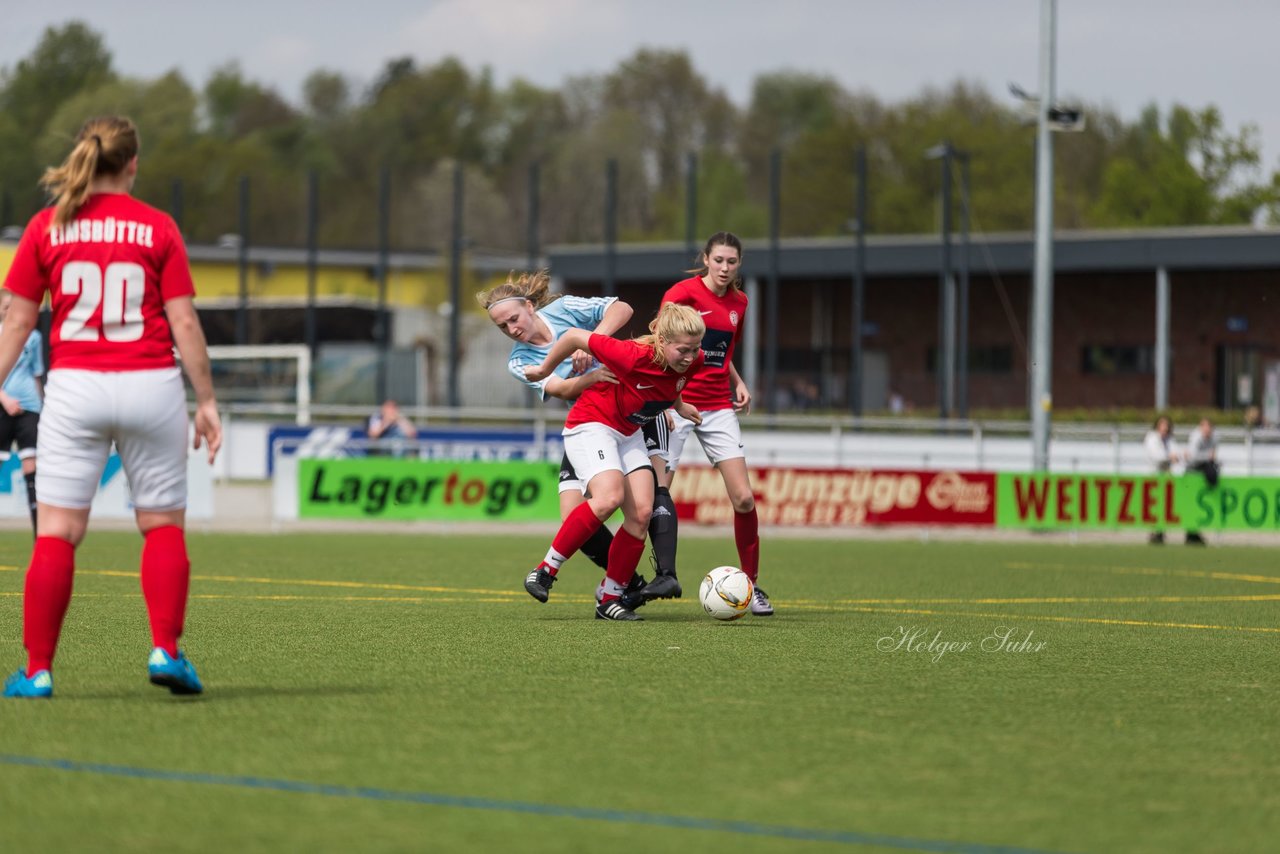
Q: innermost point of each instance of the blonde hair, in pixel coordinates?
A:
(535, 287)
(104, 146)
(720, 238)
(673, 320)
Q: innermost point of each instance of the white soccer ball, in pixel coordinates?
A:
(726, 593)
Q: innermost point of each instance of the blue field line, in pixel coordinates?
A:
(805, 834)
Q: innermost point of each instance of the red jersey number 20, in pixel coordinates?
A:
(118, 289)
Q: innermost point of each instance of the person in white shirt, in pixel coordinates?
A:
(1164, 454)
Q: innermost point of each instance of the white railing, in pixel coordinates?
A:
(825, 441)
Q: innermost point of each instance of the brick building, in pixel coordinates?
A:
(1223, 287)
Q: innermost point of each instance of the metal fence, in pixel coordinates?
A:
(825, 441)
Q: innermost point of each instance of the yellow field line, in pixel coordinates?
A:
(1050, 600)
(1050, 618)
(855, 605)
(306, 582)
(1148, 570)
(836, 606)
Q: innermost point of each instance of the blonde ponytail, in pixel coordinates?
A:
(535, 287)
(104, 146)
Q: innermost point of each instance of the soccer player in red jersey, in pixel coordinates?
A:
(719, 393)
(525, 311)
(603, 441)
(121, 295)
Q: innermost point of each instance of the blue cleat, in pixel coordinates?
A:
(176, 674)
(37, 686)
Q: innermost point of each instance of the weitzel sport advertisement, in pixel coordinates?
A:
(1147, 502)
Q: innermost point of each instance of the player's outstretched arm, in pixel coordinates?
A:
(572, 339)
(571, 388)
(189, 338)
(18, 324)
(616, 316)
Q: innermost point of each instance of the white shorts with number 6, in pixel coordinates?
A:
(594, 448)
(719, 434)
(143, 412)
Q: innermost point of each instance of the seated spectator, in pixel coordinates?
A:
(1202, 456)
(388, 426)
(1202, 451)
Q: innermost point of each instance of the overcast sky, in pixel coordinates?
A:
(1120, 53)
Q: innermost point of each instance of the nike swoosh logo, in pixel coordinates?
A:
(643, 386)
(704, 312)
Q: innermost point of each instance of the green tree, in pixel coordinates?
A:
(67, 60)
(674, 110)
(1182, 170)
(327, 96)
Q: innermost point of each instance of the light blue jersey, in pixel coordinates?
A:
(566, 313)
(21, 385)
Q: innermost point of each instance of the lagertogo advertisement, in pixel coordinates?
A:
(415, 489)
(1148, 502)
(792, 496)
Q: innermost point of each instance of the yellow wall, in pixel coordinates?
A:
(221, 280)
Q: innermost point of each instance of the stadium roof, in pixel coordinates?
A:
(1121, 250)
(1201, 248)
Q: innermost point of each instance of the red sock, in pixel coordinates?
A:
(575, 530)
(166, 574)
(45, 599)
(624, 555)
(746, 533)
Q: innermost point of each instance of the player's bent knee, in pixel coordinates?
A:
(743, 503)
(606, 503)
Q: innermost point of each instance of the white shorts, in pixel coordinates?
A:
(143, 412)
(719, 434)
(594, 448)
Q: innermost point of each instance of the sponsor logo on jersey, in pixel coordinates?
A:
(641, 385)
(704, 313)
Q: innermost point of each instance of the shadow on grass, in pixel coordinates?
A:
(227, 693)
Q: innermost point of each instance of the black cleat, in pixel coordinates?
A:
(538, 583)
(1156, 539)
(1194, 539)
(633, 596)
(663, 586)
(615, 610)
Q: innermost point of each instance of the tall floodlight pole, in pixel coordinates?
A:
(945, 360)
(610, 284)
(962, 294)
(859, 282)
(1042, 283)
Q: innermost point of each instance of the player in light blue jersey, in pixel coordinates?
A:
(527, 313)
(21, 400)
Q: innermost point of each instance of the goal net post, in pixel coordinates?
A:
(269, 377)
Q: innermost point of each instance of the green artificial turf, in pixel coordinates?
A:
(409, 672)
